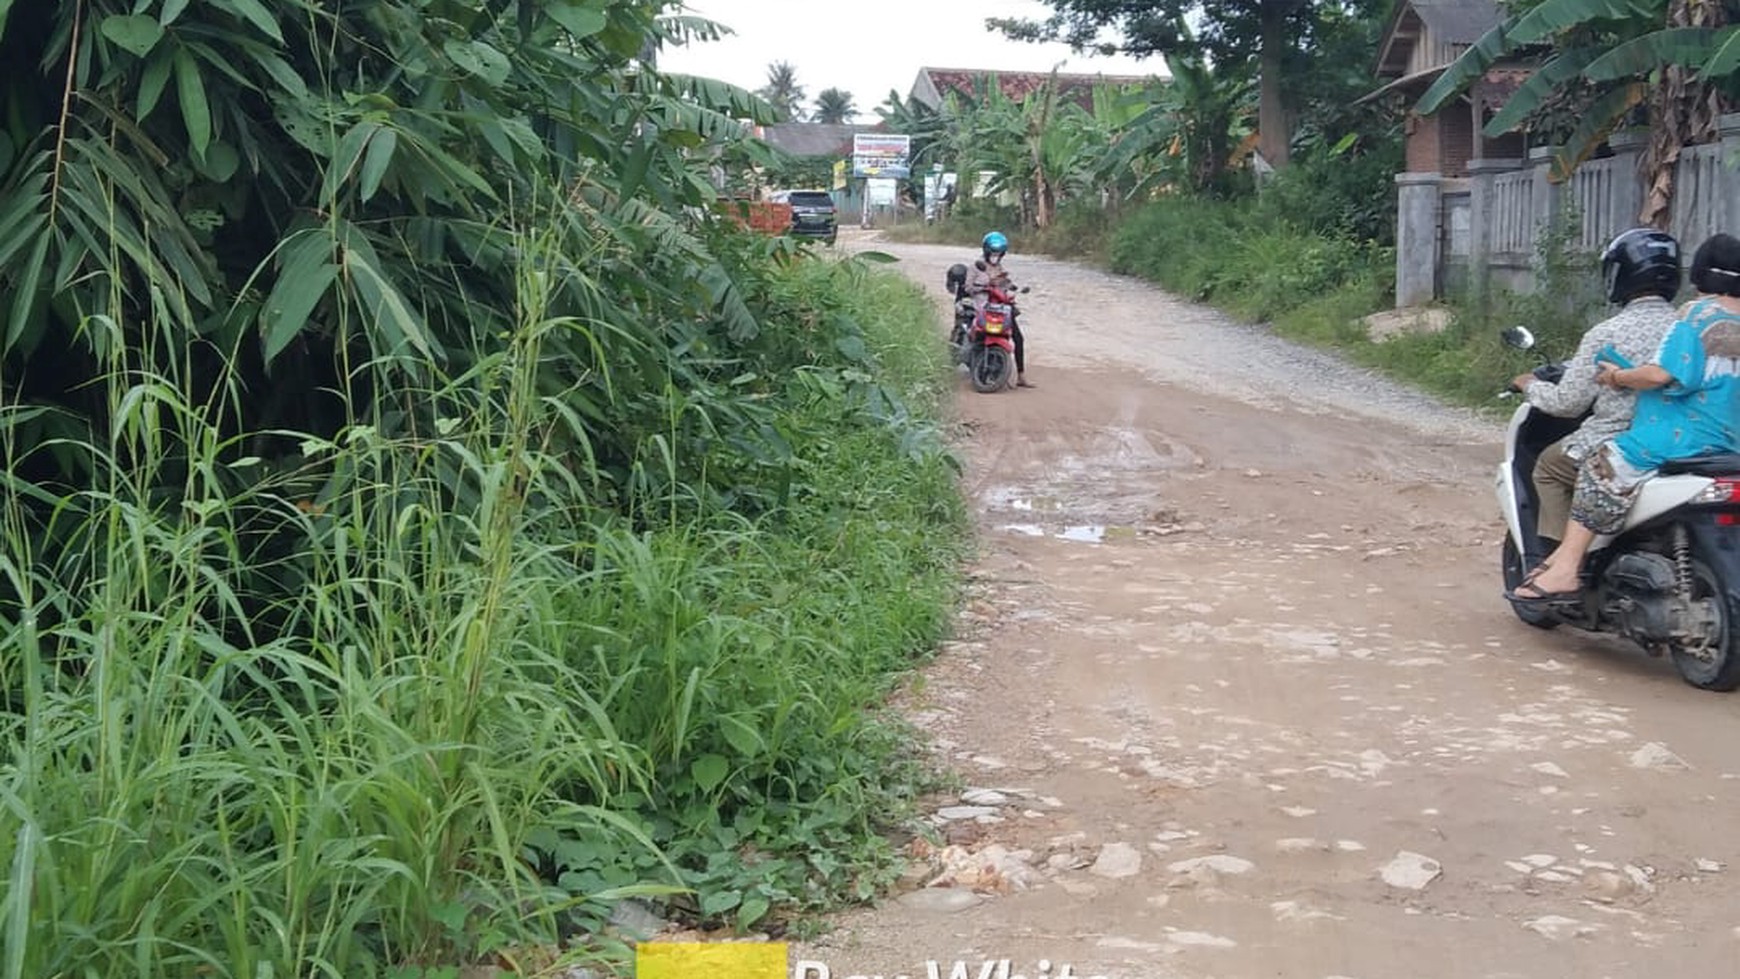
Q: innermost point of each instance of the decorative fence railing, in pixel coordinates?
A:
(1484, 231)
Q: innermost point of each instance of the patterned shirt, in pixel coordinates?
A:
(1636, 332)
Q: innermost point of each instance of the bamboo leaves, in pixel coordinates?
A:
(306, 273)
(195, 110)
(478, 58)
(134, 33)
(255, 13)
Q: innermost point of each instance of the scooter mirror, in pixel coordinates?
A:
(1518, 337)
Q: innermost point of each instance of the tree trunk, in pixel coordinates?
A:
(1274, 136)
(1682, 112)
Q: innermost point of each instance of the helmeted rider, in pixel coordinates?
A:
(1641, 268)
(988, 272)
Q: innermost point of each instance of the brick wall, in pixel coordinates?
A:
(1455, 139)
(1441, 143)
(1422, 143)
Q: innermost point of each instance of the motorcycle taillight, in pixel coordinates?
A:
(1723, 489)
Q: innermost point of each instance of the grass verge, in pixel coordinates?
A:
(450, 708)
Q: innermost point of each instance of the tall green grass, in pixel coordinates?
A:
(408, 702)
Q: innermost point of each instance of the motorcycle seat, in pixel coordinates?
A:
(1721, 464)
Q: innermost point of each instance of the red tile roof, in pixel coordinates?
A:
(1017, 85)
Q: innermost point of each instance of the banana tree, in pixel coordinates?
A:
(1604, 60)
(1186, 131)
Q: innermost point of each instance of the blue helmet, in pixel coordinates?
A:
(995, 243)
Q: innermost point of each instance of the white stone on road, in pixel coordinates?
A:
(952, 813)
(1411, 871)
(1117, 860)
(1200, 939)
(1656, 755)
(1220, 863)
(1558, 927)
(940, 900)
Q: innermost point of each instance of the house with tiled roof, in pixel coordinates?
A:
(1441, 243)
(933, 84)
(814, 139)
(1421, 39)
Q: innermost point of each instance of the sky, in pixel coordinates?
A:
(868, 49)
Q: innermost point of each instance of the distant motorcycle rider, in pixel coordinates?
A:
(988, 272)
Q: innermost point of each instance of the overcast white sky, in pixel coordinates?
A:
(870, 48)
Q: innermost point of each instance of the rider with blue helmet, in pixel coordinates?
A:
(989, 271)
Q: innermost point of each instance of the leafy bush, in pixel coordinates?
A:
(489, 702)
(1230, 253)
(417, 511)
(1338, 195)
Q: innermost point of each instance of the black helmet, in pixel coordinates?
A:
(956, 280)
(1716, 266)
(1641, 262)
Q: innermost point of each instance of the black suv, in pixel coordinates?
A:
(813, 214)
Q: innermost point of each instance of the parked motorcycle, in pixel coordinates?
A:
(982, 336)
(1669, 580)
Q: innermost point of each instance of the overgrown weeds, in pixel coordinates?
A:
(449, 707)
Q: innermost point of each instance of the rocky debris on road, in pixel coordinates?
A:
(940, 900)
(1410, 871)
(990, 869)
(1657, 756)
(1117, 860)
(1216, 863)
(1558, 927)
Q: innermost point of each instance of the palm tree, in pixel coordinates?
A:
(834, 105)
(782, 90)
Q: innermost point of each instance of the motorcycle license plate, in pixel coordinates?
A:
(993, 325)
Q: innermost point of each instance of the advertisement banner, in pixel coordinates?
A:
(880, 155)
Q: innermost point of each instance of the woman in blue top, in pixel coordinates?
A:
(1689, 406)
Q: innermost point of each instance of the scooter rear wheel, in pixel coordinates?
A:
(1510, 562)
(1720, 670)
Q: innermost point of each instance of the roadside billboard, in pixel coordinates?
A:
(880, 155)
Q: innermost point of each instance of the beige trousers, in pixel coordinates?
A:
(1555, 480)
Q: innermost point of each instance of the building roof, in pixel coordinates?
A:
(1457, 23)
(932, 84)
(813, 138)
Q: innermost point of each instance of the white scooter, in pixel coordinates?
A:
(1669, 580)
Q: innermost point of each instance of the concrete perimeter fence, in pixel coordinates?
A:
(1457, 235)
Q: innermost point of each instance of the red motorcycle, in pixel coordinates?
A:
(985, 342)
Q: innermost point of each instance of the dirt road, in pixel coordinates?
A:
(1236, 654)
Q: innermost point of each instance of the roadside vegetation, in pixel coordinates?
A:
(426, 522)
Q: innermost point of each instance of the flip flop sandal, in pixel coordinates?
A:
(1543, 597)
